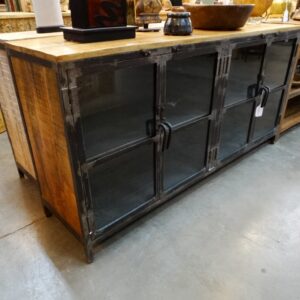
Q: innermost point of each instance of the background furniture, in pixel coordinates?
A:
(117, 128)
(291, 111)
(23, 21)
(9, 105)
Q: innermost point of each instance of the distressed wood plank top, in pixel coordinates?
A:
(24, 35)
(56, 49)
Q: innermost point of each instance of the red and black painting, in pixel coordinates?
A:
(107, 13)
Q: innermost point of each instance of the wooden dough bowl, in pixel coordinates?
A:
(219, 17)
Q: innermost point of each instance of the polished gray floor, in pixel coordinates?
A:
(236, 236)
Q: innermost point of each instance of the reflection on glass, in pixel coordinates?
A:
(266, 123)
(122, 184)
(189, 87)
(115, 107)
(243, 76)
(187, 154)
(277, 63)
(235, 129)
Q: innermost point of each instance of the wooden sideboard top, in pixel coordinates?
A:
(56, 49)
(24, 35)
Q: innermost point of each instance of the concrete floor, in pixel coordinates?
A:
(237, 236)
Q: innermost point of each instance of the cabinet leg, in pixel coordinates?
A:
(274, 140)
(21, 173)
(89, 254)
(47, 212)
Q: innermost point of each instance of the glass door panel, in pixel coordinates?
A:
(243, 76)
(122, 184)
(190, 84)
(267, 122)
(115, 107)
(235, 129)
(187, 153)
(277, 63)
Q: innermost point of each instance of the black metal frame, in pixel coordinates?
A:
(67, 78)
(181, 53)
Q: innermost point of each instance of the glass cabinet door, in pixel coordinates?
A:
(277, 63)
(189, 88)
(115, 107)
(241, 92)
(122, 184)
(243, 76)
(186, 155)
(235, 129)
(117, 118)
(267, 122)
(189, 95)
(278, 57)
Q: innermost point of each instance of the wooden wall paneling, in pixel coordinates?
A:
(40, 101)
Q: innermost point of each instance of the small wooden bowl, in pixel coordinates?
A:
(219, 17)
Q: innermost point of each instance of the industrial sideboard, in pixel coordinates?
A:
(117, 128)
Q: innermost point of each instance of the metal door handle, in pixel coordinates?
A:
(167, 135)
(264, 92)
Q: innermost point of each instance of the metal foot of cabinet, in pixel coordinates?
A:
(116, 136)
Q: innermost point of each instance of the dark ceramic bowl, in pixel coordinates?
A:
(219, 17)
(178, 23)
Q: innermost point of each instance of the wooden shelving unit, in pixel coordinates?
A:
(23, 21)
(291, 115)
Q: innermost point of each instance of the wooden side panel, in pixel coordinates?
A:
(13, 119)
(39, 96)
